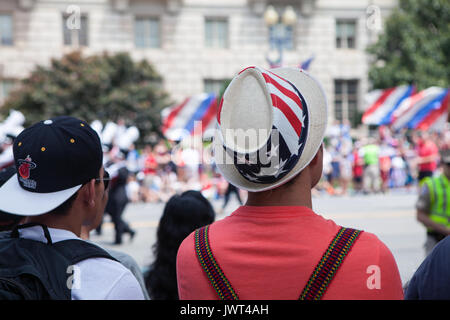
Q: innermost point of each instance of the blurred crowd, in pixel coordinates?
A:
(158, 171)
(351, 165)
(378, 162)
(385, 160)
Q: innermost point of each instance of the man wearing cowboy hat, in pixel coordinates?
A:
(271, 126)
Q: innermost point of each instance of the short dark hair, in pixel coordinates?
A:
(64, 207)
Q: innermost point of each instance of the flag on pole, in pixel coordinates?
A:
(195, 114)
(437, 118)
(305, 64)
(422, 109)
(381, 104)
(440, 124)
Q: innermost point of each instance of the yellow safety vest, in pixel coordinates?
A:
(439, 189)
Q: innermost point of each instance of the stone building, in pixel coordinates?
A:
(196, 44)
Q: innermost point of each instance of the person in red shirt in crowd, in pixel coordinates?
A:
(385, 165)
(275, 246)
(150, 163)
(357, 168)
(150, 167)
(428, 155)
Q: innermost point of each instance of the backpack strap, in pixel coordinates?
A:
(212, 269)
(76, 250)
(15, 230)
(42, 268)
(329, 264)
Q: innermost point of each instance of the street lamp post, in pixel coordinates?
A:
(280, 31)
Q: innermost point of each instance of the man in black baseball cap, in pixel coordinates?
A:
(59, 186)
(54, 159)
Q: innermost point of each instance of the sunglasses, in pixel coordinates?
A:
(105, 179)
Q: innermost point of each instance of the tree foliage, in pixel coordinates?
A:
(104, 87)
(414, 47)
(222, 89)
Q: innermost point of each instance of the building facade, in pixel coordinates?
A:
(197, 44)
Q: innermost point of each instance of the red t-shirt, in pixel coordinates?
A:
(427, 149)
(358, 168)
(150, 165)
(269, 253)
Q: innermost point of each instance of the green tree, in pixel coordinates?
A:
(414, 47)
(104, 87)
(222, 90)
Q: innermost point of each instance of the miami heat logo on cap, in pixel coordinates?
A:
(25, 165)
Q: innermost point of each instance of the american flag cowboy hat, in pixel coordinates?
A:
(270, 125)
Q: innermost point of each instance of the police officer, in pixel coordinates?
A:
(433, 204)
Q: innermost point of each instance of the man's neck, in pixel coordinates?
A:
(57, 223)
(296, 193)
(264, 200)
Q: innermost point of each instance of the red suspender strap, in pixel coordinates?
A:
(212, 269)
(329, 264)
(317, 284)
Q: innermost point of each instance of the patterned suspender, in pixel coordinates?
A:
(215, 274)
(329, 264)
(317, 284)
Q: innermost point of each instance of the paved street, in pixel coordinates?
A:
(391, 217)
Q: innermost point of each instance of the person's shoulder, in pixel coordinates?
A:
(439, 258)
(130, 263)
(375, 250)
(103, 278)
(109, 265)
(370, 240)
(186, 245)
(442, 250)
(376, 259)
(187, 249)
(105, 266)
(124, 258)
(431, 280)
(368, 236)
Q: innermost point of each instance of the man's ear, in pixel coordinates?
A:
(87, 193)
(317, 156)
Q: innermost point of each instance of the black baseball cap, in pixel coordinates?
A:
(53, 159)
